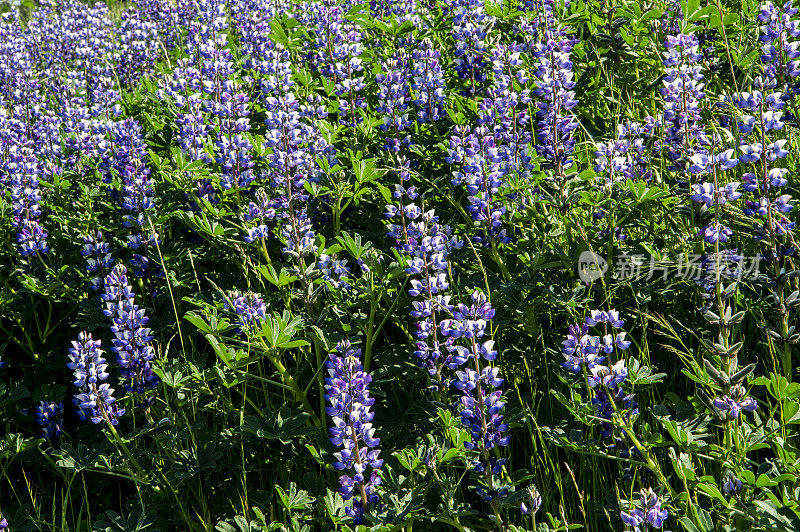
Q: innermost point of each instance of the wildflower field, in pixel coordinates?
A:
(402, 265)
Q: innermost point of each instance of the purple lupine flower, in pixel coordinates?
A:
(137, 47)
(776, 32)
(682, 92)
(599, 316)
(732, 486)
(626, 158)
(554, 84)
(505, 111)
(48, 416)
(334, 271)
(394, 98)
(762, 149)
(735, 401)
(427, 245)
(580, 348)
(3, 522)
(705, 193)
(481, 172)
(295, 144)
(259, 212)
(534, 502)
(233, 146)
(348, 73)
(348, 394)
(481, 404)
(608, 377)
(427, 82)
(715, 233)
(608, 382)
(250, 308)
(650, 513)
(95, 398)
(471, 25)
(132, 342)
(98, 257)
(23, 170)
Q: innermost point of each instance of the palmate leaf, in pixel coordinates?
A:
(284, 425)
(279, 331)
(295, 499)
(77, 459)
(242, 525)
(136, 522)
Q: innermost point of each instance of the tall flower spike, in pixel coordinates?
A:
(98, 257)
(554, 84)
(682, 92)
(95, 397)
(481, 405)
(132, 342)
(352, 431)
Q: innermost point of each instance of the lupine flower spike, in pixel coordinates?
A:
(352, 431)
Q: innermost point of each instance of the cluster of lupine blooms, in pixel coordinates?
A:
(61, 74)
(587, 352)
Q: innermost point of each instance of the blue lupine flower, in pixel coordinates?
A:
(682, 92)
(250, 308)
(481, 404)
(650, 513)
(132, 342)
(736, 401)
(534, 502)
(554, 82)
(348, 394)
(48, 416)
(95, 398)
(130, 156)
(427, 82)
(627, 158)
(24, 170)
(732, 485)
(98, 258)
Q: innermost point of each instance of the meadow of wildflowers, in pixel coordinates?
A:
(473, 265)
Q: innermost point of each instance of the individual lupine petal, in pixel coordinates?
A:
(620, 341)
(703, 193)
(597, 375)
(634, 518)
(726, 161)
